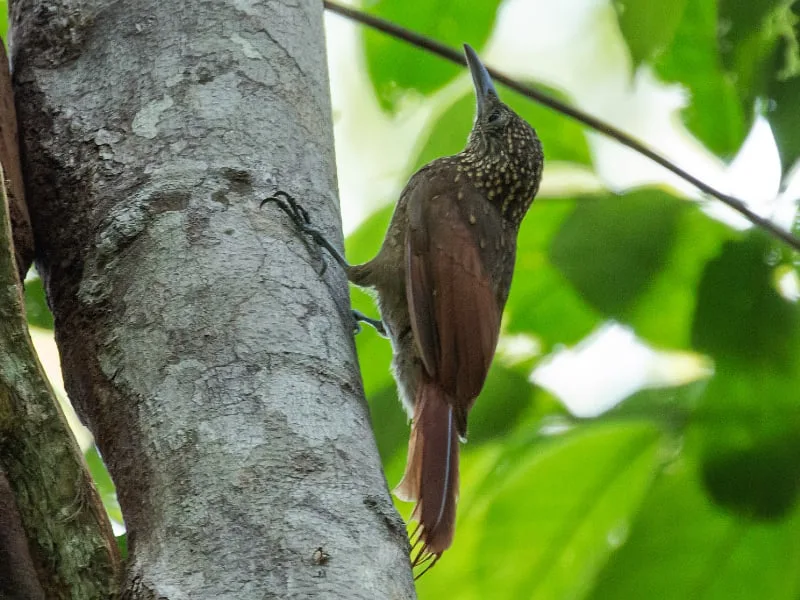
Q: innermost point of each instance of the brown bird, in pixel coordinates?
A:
(442, 278)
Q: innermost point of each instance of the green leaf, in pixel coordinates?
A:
(740, 316)
(749, 419)
(741, 19)
(396, 67)
(747, 39)
(565, 503)
(122, 544)
(103, 483)
(671, 407)
(783, 92)
(390, 423)
(714, 114)
(648, 26)
(726, 54)
(681, 546)
(638, 259)
(784, 100)
(541, 301)
(364, 243)
(38, 312)
(663, 313)
(4, 21)
(750, 428)
(610, 248)
(506, 395)
(562, 139)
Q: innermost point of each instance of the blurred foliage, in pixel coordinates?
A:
(784, 98)
(102, 481)
(4, 21)
(676, 492)
(783, 88)
(736, 58)
(36, 307)
(396, 67)
(748, 421)
(610, 249)
(713, 112)
(687, 491)
(648, 27)
(122, 544)
(749, 33)
(564, 139)
(680, 545)
(539, 520)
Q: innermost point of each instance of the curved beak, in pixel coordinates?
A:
(484, 88)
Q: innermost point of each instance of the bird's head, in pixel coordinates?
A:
(503, 154)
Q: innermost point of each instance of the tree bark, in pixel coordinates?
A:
(55, 538)
(12, 171)
(18, 579)
(213, 363)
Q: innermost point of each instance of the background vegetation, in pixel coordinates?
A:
(685, 484)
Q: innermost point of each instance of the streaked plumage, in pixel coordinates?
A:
(442, 278)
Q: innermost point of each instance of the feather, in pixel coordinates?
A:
(431, 477)
(453, 305)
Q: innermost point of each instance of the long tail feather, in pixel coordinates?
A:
(431, 477)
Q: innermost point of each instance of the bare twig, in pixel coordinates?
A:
(457, 56)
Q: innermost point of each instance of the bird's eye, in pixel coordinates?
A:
(494, 116)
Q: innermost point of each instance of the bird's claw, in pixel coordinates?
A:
(376, 324)
(299, 217)
(289, 205)
(302, 221)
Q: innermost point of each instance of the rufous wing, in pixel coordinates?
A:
(455, 317)
(452, 299)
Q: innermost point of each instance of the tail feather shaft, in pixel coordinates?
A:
(431, 477)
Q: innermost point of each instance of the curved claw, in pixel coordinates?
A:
(289, 205)
(377, 324)
(302, 221)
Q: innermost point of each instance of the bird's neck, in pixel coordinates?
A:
(500, 179)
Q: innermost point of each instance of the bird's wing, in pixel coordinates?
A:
(451, 240)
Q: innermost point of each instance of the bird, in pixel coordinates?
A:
(442, 278)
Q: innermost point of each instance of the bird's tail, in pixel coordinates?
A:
(431, 477)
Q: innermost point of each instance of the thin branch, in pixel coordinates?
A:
(456, 56)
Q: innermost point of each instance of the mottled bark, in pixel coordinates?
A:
(9, 158)
(18, 579)
(214, 365)
(55, 539)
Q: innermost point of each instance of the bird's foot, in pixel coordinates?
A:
(302, 221)
(377, 324)
(290, 206)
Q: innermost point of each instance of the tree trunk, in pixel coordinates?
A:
(213, 363)
(55, 538)
(18, 578)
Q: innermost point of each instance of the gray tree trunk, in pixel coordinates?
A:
(214, 365)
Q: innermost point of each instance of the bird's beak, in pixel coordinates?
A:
(484, 88)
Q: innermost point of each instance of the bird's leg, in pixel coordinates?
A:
(377, 324)
(302, 221)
